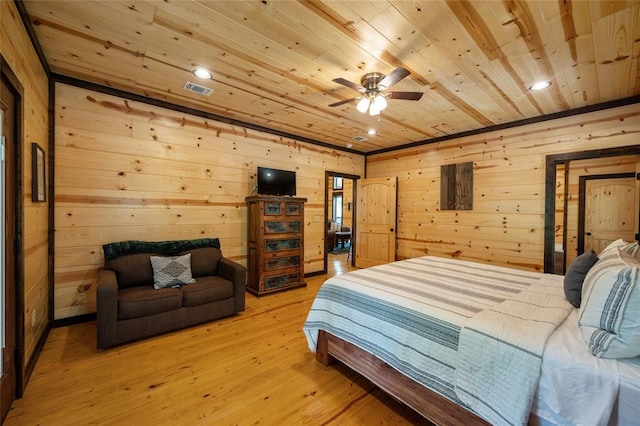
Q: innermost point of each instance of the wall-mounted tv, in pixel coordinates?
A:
(276, 182)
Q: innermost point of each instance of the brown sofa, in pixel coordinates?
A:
(130, 308)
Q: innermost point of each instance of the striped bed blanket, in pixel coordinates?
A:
(430, 318)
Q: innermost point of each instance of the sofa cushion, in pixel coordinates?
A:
(135, 302)
(132, 270)
(205, 290)
(171, 271)
(204, 261)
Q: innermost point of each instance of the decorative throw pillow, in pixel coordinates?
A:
(171, 271)
(609, 317)
(630, 248)
(574, 277)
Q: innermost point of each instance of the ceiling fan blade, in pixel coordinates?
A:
(343, 102)
(348, 83)
(407, 96)
(395, 76)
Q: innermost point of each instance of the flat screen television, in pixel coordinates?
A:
(276, 182)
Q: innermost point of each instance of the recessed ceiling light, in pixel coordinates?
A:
(202, 73)
(371, 132)
(539, 85)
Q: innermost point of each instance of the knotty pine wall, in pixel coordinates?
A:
(17, 51)
(128, 170)
(506, 225)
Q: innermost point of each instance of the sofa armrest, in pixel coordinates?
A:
(107, 307)
(237, 274)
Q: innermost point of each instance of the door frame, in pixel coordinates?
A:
(552, 161)
(354, 178)
(582, 190)
(13, 81)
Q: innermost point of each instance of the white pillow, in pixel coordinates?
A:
(171, 271)
(609, 316)
(631, 249)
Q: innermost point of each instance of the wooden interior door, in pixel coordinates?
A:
(8, 190)
(610, 211)
(376, 221)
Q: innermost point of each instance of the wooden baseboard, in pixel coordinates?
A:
(74, 320)
(31, 364)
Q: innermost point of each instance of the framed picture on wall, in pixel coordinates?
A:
(39, 182)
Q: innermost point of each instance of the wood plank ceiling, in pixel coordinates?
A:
(274, 61)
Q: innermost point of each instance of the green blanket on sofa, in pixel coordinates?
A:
(113, 250)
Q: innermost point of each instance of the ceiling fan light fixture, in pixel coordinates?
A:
(372, 99)
(380, 102)
(363, 104)
(377, 105)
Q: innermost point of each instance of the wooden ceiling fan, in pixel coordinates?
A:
(372, 86)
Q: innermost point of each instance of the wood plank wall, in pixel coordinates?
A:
(127, 170)
(17, 51)
(506, 225)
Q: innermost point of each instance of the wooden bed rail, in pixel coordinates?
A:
(428, 403)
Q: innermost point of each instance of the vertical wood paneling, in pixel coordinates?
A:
(127, 170)
(19, 54)
(506, 225)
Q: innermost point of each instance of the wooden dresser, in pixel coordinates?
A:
(275, 241)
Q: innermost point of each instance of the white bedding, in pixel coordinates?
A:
(577, 388)
(627, 412)
(500, 351)
(410, 313)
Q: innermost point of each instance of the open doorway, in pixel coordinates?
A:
(565, 227)
(340, 195)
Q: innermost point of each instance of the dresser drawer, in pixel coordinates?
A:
(274, 263)
(282, 244)
(281, 226)
(278, 281)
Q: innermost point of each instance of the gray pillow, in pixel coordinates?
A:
(171, 271)
(574, 277)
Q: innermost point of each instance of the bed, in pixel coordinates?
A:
(468, 343)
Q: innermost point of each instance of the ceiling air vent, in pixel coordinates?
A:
(359, 138)
(196, 88)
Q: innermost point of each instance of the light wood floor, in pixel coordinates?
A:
(252, 368)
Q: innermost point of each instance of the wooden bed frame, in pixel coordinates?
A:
(428, 403)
